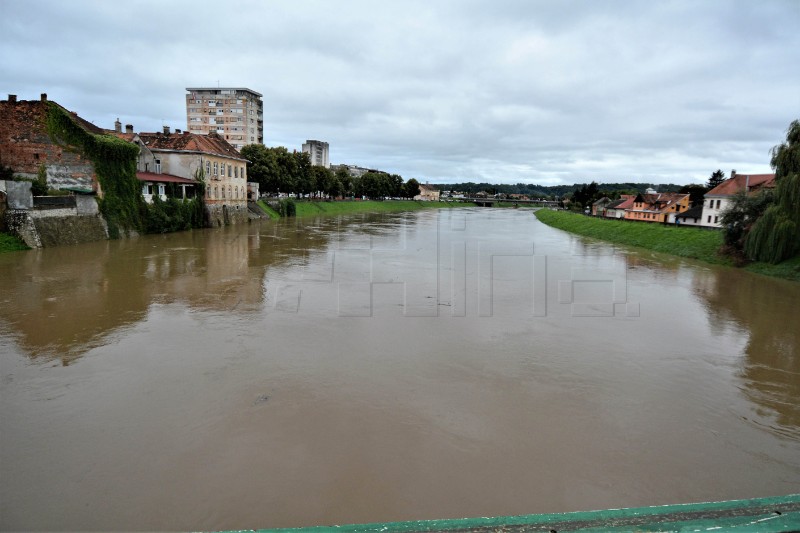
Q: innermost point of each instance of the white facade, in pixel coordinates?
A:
(236, 114)
(713, 206)
(318, 151)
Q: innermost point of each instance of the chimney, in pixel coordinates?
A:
(118, 126)
(128, 128)
(733, 173)
(166, 130)
(12, 98)
(747, 183)
(177, 130)
(186, 133)
(44, 97)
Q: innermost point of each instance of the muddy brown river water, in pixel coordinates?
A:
(435, 364)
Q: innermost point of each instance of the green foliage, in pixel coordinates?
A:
(287, 207)
(739, 216)
(11, 243)
(717, 177)
(39, 185)
(114, 162)
(696, 193)
(174, 214)
(411, 188)
(775, 236)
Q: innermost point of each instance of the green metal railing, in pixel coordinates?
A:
(756, 515)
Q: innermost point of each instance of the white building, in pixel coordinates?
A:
(318, 151)
(719, 198)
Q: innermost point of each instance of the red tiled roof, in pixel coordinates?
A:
(737, 183)
(163, 178)
(190, 142)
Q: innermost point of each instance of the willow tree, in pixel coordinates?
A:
(776, 235)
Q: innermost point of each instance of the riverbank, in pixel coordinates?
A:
(309, 209)
(692, 243)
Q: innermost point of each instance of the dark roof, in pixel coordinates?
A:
(163, 178)
(616, 203)
(190, 142)
(692, 212)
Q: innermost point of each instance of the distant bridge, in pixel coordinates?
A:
(489, 202)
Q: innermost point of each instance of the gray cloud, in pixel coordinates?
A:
(508, 91)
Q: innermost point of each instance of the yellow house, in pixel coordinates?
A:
(657, 206)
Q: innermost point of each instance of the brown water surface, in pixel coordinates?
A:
(387, 367)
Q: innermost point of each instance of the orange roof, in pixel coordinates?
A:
(190, 142)
(738, 183)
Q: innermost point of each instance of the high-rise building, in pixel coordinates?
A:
(318, 151)
(235, 113)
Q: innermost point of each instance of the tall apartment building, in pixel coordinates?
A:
(235, 113)
(318, 151)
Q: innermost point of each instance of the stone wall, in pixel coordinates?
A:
(55, 227)
(225, 215)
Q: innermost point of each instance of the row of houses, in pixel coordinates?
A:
(676, 208)
(169, 162)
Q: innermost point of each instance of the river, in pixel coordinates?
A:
(374, 368)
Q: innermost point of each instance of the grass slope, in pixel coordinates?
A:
(306, 209)
(11, 243)
(693, 243)
(268, 210)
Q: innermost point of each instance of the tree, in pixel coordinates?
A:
(346, 181)
(740, 215)
(717, 177)
(696, 193)
(775, 236)
(411, 188)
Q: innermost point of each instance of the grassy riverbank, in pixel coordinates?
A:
(309, 209)
(11, 243)
(693, 243)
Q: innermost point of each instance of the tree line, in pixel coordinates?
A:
(279, 171)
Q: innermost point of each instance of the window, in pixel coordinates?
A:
(718, 202)
(162, 189)
(229, 171)
(716, 219)
(235, 172)
(242, 173)
(158, 166)
(223, 192)
(208, 168)
(216, 167)
(709, 219)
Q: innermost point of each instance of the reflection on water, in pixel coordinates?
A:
(384, 367)
(767, 311)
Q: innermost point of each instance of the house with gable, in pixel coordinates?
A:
(652, 206)
(599, 207)
(179, 160)
(719, 198)
(616, 209)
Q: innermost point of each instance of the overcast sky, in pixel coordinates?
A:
(443, 91)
